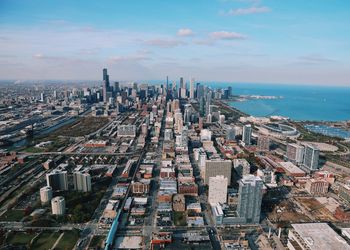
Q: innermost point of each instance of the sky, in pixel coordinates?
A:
(262, 41)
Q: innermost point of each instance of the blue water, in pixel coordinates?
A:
(327, 130)
(300, 102)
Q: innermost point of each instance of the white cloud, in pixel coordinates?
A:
(247, 11)
(315, 59)
(185, 32)
(164, 43)
(136, 57)
(227, 35)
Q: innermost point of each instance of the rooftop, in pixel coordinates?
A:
(320, 236)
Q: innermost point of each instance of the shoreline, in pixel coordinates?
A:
(288, 118)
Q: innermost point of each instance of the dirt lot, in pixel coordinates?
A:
(316, 209)
(286, 213)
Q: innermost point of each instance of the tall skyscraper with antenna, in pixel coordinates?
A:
(105, 85)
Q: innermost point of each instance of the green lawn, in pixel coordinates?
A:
(180, 219)
(96, 241)
(45, 240)
(20, 238)
(34, 150)
(12, 215)
(68, 240)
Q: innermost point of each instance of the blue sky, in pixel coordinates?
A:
(271, 41)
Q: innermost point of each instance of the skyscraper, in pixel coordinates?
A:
(192, 88)
(45, 194)
(311, 157)
(247, 134)
(82, 181)
(167, 83)
(57, 179)
(208, 103)
(229, 91)
(249, 198)
(295, 152)
(187, 113)
(58, 205)
(116, 87)
(201, 106)
(105, 85)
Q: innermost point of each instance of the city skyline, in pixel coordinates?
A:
(224, 40)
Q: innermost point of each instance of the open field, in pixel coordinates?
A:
(81, 127)
(12, 215)
(97, 242)
(42, 240)
(45, 240)
(68, 240)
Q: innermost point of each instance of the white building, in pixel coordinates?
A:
(45, 194)
(58, 205)
(295, 152)
(82, 181)
(217, 189)
(314, 236)
(311, 157)
(205, 135)
(192, 88)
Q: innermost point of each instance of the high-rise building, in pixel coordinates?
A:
(311, 157)
(208, 103)
(231, 135)
(217, 189)
(57, 180)
(216, 167)
(45, 194)
(167, 83)
(221, 119)
(249, 198)
(105, 85)
(116, 87)
(58, 205)
(82, 181)
(229, 91)
(201, 106)
(247, 134)
(187, 113)
(295, 152)
(182, 84)
(263, 143)
(192, 88)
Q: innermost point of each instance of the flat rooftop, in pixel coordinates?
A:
(291, 168)
(320, 236)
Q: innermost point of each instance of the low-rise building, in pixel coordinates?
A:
(317, 186)
(314, 236)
